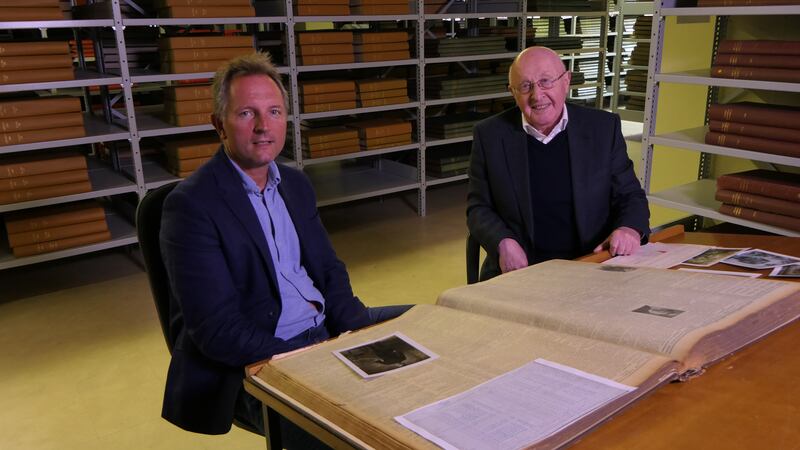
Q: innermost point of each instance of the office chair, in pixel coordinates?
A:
(473, 259)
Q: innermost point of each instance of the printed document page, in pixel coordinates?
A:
(514, 410)
(658, 255)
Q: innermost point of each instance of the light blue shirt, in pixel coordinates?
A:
(302, 303)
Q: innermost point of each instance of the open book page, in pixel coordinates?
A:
(472, 349)
(655, 310)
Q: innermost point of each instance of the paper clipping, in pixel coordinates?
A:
(712, 256)
(723, 272)
(658, 255)
(515, 410)
(388, 354)
(760, 259)
(790, 271)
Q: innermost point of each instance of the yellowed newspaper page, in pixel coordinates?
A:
(472, 349)
(655, 310)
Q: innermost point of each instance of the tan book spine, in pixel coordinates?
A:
(325, 49)
(48, 179)
(35, 62)
(389, 93)
(195, 66)
(331, 145)
(332, 152)
(51, 134)
(388, 129)
(324, 37)
(322, 2)
(33, 48)
(40, 166)
(383, 56)
(328, 134)
(38, 106)
(160, 4)
(29, 3)
(332, 106)
(70, 119)
(36, 76)
(183, 165)
(61, 244)
(381, 47)
(376, 10)
(322, 10)
(174, 42)
(191, 150)
(26, 195)
(386, 141)
(189, 107)
(327, 59)
(379, 37)
(188, 120)
(25, 13)
(54, 216)
(183, 93)
(314, 99)
(208, 11)
(55, 233)
(384, 101)
(381, 85)
(310, 88)
(201, 54)
(183, 174)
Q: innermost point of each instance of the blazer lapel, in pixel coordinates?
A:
(515, 148)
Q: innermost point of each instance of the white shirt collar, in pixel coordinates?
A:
(561, 125)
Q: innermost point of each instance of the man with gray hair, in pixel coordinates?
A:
(252, 271)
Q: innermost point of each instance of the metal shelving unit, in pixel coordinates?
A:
(698, 197)
(626, 9)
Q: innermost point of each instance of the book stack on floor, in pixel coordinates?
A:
(322, 141)
(382, 91)
(205, 8)
(758, 127)
(184, 155)
(372, 46)
(458, 86)
(762, 196)
(57, 227)
(758, 60)
(465, 46)
(38, 119)
(379, 7)
(28, 177)
(379, 133)
(453, 125)
(14, 10)
(322, 8)
(192, 54)
(327, 95)
(35, 62)
(325, 47)
(188, 104)
(448, 160)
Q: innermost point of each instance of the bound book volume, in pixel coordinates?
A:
(763, 60)
(36, 61)
(46, 174)
(773, 129)
(763, 196)
(184, 155)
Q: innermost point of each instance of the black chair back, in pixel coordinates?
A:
(148, 225)
(473, 259)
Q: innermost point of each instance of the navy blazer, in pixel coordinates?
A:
(225, 301)
(606, 192)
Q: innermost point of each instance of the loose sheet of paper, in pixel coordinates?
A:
(514, 410)
(658, 255)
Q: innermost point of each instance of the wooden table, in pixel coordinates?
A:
(750, 400)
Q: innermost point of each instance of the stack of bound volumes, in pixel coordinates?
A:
(35, 62)
(58, 227)
(381, 133)
(557, 43)
(483, 6)
(141, 47)
(753, 126)
(643, 27)
(379, 7)
(188, 104)
(14, 10)
(566, 5)
(191, 54)
(322, 8)
(448, 161)
(30, 177)
(186, 154)
(327, 95)
(465, 46)
(382, 91)
(436, 6)
(328, 141)
(762, 196)
(457, 86)
(381, 45)
(325, 47)
(38, 119)
(205, 8)
(710, 3)
(758, 60)
(635, 81)
(453, 125)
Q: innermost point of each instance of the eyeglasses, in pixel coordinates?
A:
(545, 83)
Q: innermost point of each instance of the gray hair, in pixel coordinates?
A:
(256, 63)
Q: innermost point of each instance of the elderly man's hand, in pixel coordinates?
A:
(512, 255)
(623, 241)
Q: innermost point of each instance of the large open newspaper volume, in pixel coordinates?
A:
(635, 327)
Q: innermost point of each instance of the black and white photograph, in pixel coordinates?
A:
(759, 259)
(712, 256)
(789, 271)
(658, 311)
(385, 355)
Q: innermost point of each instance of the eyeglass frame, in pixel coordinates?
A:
(516, 89)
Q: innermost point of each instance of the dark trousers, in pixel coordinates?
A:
(248, 408)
